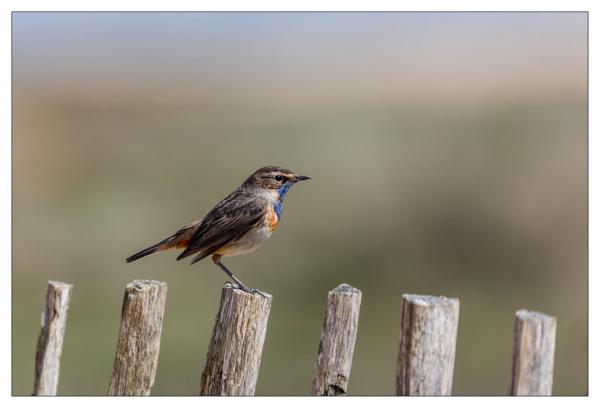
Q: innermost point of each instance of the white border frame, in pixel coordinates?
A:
(7, 6)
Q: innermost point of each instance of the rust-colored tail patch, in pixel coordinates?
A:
(180, 239)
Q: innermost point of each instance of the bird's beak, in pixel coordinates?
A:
(300, 178)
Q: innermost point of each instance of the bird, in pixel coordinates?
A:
(237, 225)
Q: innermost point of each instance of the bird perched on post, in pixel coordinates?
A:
(237, 225)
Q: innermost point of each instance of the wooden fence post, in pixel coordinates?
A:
(50, 340)
(427, 345)
(334, 359)
(234, 353)
(533, 353)
(138, 345)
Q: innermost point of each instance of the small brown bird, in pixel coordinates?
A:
(239, 224)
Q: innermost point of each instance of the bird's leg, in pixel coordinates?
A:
(217, 260)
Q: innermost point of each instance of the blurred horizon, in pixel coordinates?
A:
(448, 153)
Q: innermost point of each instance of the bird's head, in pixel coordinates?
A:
(274, 178)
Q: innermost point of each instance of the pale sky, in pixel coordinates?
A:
(349, 55)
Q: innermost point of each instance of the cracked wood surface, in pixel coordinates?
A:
(338, 335)
(427, 345)
(533, 353)
(50, 340)
(138, 345)
(235, 349)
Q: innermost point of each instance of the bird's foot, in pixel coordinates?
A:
(245, 288)
(241, 286)
(258, 292)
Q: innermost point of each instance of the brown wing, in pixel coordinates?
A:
(229, 220)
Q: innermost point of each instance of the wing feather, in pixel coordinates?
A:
(228, 221)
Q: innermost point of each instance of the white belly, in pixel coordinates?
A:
(251, 241)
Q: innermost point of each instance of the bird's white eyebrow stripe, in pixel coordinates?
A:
(279, 173)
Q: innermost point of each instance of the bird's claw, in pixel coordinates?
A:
(250, 290)
(258, 292)
(241, 286)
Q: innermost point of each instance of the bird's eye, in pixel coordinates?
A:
(278, 177)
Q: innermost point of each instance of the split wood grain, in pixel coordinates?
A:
(533, 353)
(138, 345)
(50, 340)
(235, 350)
(427, 345)
(338, 335)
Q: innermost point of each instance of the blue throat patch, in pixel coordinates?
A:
(282, 191)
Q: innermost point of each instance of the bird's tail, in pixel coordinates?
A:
(144, 252)
(180, 239)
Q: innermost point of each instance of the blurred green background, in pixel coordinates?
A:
(448, 153)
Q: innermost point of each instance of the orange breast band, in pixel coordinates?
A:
(272, 219)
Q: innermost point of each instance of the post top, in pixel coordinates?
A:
(524, 314)
(428, 300)
(142, 284)
(344, 288)
(58, 284)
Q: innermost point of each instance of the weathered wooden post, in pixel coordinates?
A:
(235, 350)
(533, 353)
(334, 359)
(429, 326)
(138, 345)
(50, 340)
